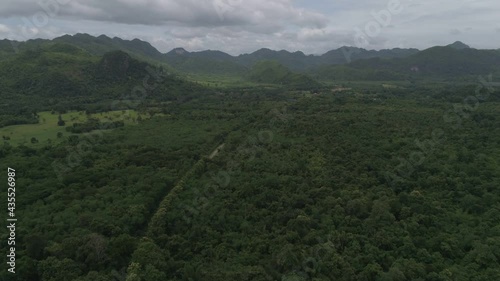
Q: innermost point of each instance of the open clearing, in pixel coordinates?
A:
(47, 129)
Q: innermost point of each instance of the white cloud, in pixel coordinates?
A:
(4, 28)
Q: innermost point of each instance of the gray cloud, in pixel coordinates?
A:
(237, 26)
(160, 12)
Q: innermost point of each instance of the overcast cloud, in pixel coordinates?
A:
(242, 26)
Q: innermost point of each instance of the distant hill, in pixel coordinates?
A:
(346, 55)
(222, 63)
(296, 61)
(459, 45)
(205, 62)
(97, 46)
(454, 61)
(104, 44)
(272, 72)
(60, 75)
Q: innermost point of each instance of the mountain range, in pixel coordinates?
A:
(189, 61)
(345, 63)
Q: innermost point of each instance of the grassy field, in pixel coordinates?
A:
(223, 81)
(46, 130)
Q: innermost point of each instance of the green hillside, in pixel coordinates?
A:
(207, 62)
(455, 61)
(96, 46)
(63, 77)
(272, 72)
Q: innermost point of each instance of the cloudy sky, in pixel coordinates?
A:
(243, 26)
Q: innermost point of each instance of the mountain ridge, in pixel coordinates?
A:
(456, 59)
(101, 44)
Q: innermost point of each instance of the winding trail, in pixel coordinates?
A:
(157, 223)
(216, 151)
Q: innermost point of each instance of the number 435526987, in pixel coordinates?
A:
(11, 196)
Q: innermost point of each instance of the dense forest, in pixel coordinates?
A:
(279, 178)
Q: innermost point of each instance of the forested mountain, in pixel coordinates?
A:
(272, 72)
(296, 61)
(456, 61)
(346, 63)
(196, 62)
(93, 45)
(459, 45)
(59, 76)
(206, 62)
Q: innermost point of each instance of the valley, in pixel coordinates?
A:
(136, 165)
